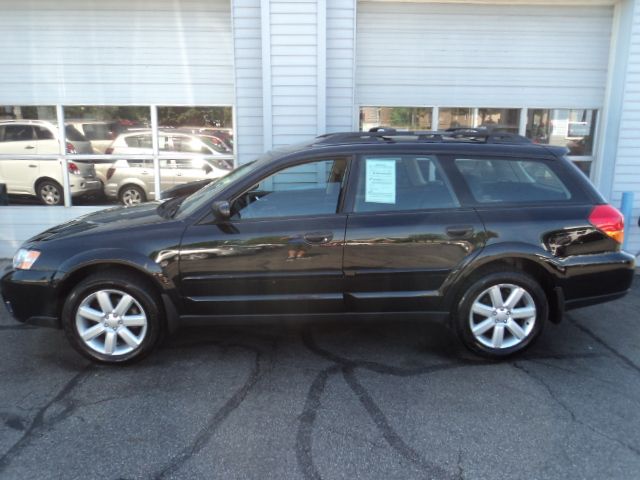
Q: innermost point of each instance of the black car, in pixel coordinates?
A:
(484, 230)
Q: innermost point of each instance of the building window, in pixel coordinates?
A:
(573, 129)
(400, 118)
(503, 119)
(109, 152)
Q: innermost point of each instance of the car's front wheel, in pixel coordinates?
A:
(501, 314)
(112, 318)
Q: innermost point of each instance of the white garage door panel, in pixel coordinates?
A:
(115, 52)
(482, 55)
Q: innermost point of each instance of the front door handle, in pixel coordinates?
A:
(459, 231)
(29, 147)
(318, 237)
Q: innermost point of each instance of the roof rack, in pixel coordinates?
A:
(391, 135)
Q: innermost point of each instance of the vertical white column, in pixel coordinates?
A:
(267, 117)
(522, 128)
(321, 102)
(155, 145)
(435, 118)
(62, 148)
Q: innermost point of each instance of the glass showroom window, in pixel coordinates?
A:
(503, 119)
(30, 169)
(96, 130)
(109, 151)
(571, 128)
(401, 118)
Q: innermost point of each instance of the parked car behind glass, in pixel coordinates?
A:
(43, 178)
(132, 181)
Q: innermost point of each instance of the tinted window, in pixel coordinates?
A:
(308, 189)
(402, 183)
(511, 181)
(139, 141)
(73, 134)
(44, 133)
(97, 131)
(18, 133)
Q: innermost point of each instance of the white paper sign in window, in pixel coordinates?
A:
(380, 181)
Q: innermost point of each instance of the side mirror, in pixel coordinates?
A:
(221, 210)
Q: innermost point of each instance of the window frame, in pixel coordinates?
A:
(358, 169)
(578, 195)
(249, 183)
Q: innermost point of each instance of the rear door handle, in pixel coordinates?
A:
(318, 237)
(459, 231)
(29, 147)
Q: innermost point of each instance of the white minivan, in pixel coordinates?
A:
(43, 178)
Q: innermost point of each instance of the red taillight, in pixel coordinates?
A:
(608, 220)
(73, 168)
(110, 172)
(71, 148)
(108, 151)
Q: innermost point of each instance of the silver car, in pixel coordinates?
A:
(39, 177)
(132, 181)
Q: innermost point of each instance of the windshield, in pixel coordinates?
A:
(194, 201)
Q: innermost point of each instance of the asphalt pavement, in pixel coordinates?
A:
(340, 400)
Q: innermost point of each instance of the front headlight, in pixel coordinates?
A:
(24, 259)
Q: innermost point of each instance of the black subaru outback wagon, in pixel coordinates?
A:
(487, 231)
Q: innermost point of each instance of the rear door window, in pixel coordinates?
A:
(402, 182)
(512, 181)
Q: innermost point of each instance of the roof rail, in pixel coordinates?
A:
(391, 135)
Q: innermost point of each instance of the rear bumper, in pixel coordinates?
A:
(30, 297)
(592, 279)
(83, 186)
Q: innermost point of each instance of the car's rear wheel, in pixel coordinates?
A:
(113, 318)
(501, 313)
(132, 195)
(50, 192)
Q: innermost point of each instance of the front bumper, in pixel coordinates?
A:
(30, 297)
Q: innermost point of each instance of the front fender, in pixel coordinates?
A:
(114, 256)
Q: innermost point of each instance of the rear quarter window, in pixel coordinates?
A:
(512, 181)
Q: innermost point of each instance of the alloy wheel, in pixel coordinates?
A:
(502, 316)
(50, 194)
(111, 322)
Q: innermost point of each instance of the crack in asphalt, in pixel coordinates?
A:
(347, 367)
(568, 409)
(626, 360)
(394, 440)
(205, 434)
(39, 423)
(307, 420)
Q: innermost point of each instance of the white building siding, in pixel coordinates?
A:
(340, 64)
(627, 166)
(120, 52)
(482, 55)
(248, 79)
(294, 70)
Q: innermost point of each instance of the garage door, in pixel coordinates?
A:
(116, 52)
(437, 54)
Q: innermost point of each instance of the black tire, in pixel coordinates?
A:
(473, 291)
(131, 192)
(147, 303)
(50, 192)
